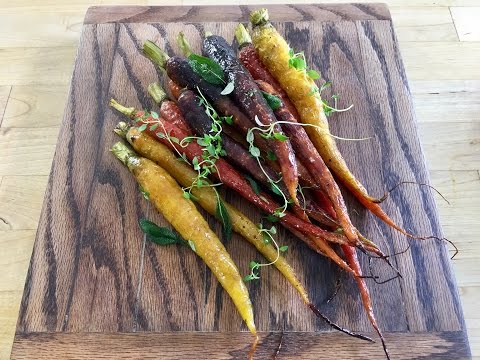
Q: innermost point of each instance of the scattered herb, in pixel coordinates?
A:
(145, 194)
(253, 184)
(283, 248)
(273, 101)
(228, 89)
(160, 235)
(271, 155)
(208, 69)
(223, 215)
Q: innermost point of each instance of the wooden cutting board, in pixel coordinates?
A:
(97, 289)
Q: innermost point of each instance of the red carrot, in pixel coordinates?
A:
(171, 136)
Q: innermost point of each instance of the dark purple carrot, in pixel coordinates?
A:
(181, 73)
(250, 99)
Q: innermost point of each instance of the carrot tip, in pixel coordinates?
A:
(335, 326)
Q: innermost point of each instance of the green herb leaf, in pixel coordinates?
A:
(283, 248)
(275, 189)
(312, 74)
(273, 101)
(223, 215)
(208, 69)
(271, 155)
(272, 218)
(228, 89)
(160, 235)
(153, 127)
(192, 245)
(253, 265)
(250, 136)
(253, 184)
(187, 195)
(326, 85)
(228, 119)
(145, 194)
(142, 127)
(154, 115)
(251, 277)
(195, 163)
(254, 151)
(280, 137)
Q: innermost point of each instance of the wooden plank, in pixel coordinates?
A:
(178, 345)
(51, 29)
(434, 100)
(16, 250)
(325, 12)
(395, 132)
(22, 198)
(435, 60)
(25, 151)
(35, 106)
(423, 23)
(459, 149)
(23, 66)
(466, 22)
(4, 94)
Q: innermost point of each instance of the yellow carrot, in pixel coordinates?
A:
(185, 218)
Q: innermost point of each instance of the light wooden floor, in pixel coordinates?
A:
(440, 44)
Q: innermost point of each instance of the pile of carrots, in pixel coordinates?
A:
(252, 120)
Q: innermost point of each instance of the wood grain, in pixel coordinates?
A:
(467, 28)
(33, 148)
(93, 272)
(35, 106)
(179, 345)
(323, 12)
(22, 201)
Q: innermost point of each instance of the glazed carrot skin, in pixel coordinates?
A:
(273, 51)
(309, 156)
(180, 71)
(250, 99)
(174, 89)
(147, 146)
(201, 123)
(168, 109)
(190, 224)
(250, 59)
(232, 179)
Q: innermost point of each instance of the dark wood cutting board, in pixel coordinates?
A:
(97, 289)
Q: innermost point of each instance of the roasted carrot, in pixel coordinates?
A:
(168, 109)
(250, 59)
(208, 198)
(273, 51)
(309, 156)
(232, 179)
(180, 72)
(174, 89)
(351, 256)
(190, 224)
(250, 99)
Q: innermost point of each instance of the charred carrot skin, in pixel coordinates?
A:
(180, 71)
(250, 99)
(185, 218)
(309, 156)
